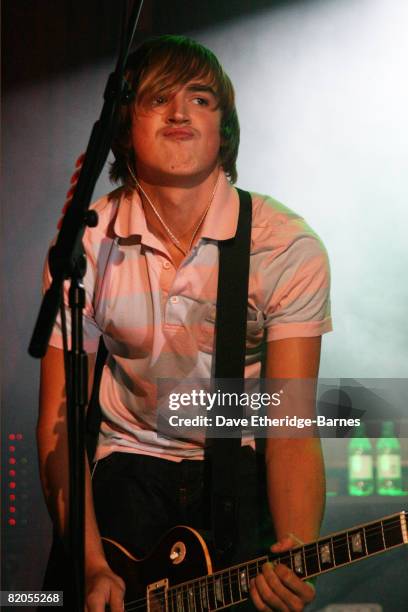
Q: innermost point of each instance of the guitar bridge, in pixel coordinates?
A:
(157, 596)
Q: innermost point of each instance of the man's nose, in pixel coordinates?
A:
(178, 110)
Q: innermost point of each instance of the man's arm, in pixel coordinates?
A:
(295, 469)
(295, 479)
(102, 584)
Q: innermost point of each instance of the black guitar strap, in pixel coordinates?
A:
(231, 323)
(94, 415)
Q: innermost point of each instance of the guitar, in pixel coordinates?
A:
(178, 576)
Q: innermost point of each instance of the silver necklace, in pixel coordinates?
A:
(170, 234)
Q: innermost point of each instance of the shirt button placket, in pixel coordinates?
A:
(173, 299)
(166, 277)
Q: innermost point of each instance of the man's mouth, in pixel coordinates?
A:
(178, 133)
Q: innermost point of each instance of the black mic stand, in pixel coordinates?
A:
(67, 261)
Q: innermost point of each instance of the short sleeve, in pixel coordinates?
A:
(90, 327)
(296, 283)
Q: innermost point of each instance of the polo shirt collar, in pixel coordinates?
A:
(220, 223)
(221, 220)
(130, 219)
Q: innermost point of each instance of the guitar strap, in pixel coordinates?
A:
(231, 323)
(231, 317)
(94, 414)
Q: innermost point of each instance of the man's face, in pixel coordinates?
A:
(176, 138)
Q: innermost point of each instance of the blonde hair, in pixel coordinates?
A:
(159, 66)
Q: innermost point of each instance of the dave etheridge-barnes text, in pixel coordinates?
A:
(257, 420)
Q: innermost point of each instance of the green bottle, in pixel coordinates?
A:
(388, 462)
(360, 463)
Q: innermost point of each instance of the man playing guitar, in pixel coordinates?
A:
(151, 285)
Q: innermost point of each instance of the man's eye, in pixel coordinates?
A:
(201, 101)
(159, 100)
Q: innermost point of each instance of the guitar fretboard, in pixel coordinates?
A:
(231, 586)
(348, 546)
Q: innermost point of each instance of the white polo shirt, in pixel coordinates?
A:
(158, 321)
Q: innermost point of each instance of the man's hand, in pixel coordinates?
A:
(277, 587)
(104, 588)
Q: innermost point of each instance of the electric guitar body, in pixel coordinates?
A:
(181, 556)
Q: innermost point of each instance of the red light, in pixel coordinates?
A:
(12, 436)
(19, 436)
(12, 472)
(12, 522)
(12, 449)
(12, 497)
(12, 485)
(12, 461)
(12, 509)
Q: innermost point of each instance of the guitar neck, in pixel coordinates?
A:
(345, 547)
(230, 586)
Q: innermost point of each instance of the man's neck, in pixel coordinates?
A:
(181, 207)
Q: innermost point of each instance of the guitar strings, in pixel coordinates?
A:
(171, 597)
(195, 587)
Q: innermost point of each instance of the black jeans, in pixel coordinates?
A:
(138, 498)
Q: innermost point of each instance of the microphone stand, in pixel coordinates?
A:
(67, 261)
